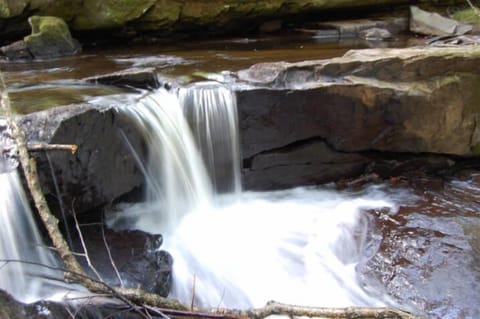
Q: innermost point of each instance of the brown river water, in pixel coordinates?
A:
(426, 255)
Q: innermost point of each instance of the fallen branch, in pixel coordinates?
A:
(275, 308)
(33, 147)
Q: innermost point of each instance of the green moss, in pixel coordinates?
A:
(97, 14)
(51, 26)
(4, 9)
(468, 15)
(62, 9)
(163, 14)
(476, 149)
(50, 37)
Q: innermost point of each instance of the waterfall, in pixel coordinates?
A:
(184, 170)
(22, 251)
(211, 110)
(299, 246)
(28, 268)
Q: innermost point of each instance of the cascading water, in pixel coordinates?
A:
(22, 252)
(299, 246)
(211, 110)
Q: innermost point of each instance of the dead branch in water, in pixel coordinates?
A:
(134, 297)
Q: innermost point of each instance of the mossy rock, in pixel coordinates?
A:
(164, 14)
(50, 38)
(66, 10)
(110, 13)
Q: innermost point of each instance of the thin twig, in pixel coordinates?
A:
(82, 241)
(156, 311)
(35, 147)
(60, 201)
(107, 247)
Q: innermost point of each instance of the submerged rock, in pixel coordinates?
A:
(143, 78)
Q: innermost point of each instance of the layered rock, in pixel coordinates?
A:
(368, 102)
(384, 111)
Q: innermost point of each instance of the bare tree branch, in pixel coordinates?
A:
(33, 147)
(107, 247)
(84, 246)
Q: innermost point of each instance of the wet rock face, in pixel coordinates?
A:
(102, 169)
(391, 101)
(136, 255)
(301, 123)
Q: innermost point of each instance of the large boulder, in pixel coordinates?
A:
(102, 169)
(50, 38)
(359, 106)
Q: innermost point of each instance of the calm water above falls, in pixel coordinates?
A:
(43, 84)
(415, 243)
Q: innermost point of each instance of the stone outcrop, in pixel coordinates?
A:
(168, 15)
(103, 168)
(383, 111)
(356, 108)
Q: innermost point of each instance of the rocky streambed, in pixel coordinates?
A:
(407, 116)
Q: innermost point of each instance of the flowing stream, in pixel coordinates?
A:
(24, 258)
(413, 243)
(242, 249)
